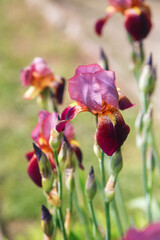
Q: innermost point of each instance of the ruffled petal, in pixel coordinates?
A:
(109, 92)
(124, 102)
(85, 89)
(92, 68)
(49, 123)
(101, 22)
(111, 132)
(26, 76)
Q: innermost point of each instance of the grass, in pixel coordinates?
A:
(24, 35)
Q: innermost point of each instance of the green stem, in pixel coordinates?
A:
(117, 218)
(59, 175)
(106, 205)
(82, 216)
(70, 201)
(62, 223)
(94, 221)
(107, 210)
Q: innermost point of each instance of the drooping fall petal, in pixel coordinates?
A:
(138, 22)
(68, 114)
(33, 171)
(101, 22)
(111, 132)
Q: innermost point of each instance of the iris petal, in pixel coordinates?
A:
(111, 132)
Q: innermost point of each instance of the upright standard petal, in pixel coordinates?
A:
(111, 132)
(85, 89)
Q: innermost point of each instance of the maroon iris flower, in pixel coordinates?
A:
(152, 232)
(137, 17)
(94, 90)
(41, 135)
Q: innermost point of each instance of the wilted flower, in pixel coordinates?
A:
(41, 135)
(137, 17)
(39, 77)
(152, 232)
(94, 90)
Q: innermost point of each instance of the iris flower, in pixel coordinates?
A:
(39, 77)
(137, 17)
(94, 90)
(41, 135)
(152, 232)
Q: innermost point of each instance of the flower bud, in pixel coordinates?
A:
(151, 160)
(67, 221)
(109, 190)
(53, 198)
(104, 60)
(139, 122)
(116, 163)
(147, 118)
(70, 183)
(90, 187)
(96, 149)
(45, 169)
(46, 222)
(148, 78)
(62, 153)
(55, 139)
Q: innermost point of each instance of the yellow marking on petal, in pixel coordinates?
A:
(74, 142)
(110, 9)
(73, 104)
(31, 93)
(118, 89)
(112, 118)
(137, 10)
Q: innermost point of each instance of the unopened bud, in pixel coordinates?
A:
(109, 190)
(139, 122)
(104, 60)
(53, 198)
(46, 222)
(70, 183)
(63, 152)
(67, 221)
(96, 149)
(90, 187)
(45, 169)
(151, 160)
(69, 163)
(147, 118)
(55, 139)
(148, 78)
(139, 141)
(116, 163)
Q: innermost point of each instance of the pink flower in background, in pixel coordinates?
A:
(39, 77)
(152, 232)
(94, 90)
(40, 135)
(137, 17)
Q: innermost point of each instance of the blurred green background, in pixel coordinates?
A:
(24, 34)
